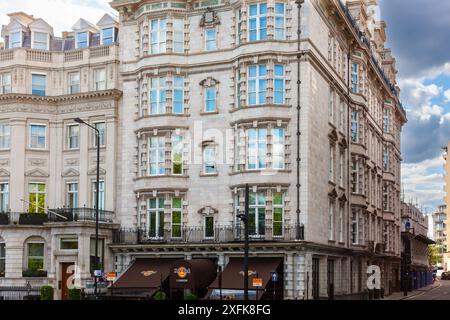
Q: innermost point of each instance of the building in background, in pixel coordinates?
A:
(446, 262)
(47, 160)
(211, 103)
(415, 244)
(440, 233)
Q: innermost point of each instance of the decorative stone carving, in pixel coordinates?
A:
(37, 162)
(4, 162)
(209, 19)
(71, 173)
(72, 162)
(37, 173)
(4, 173)
(94, 171)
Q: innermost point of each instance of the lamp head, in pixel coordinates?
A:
(78, 120)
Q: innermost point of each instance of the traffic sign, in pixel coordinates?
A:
(274, 276)
(257, 282)
(111, 276)
(97, 273)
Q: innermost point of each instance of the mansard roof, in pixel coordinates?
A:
(83, 24)
(107, 20)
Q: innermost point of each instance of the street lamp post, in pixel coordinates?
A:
(97, 184)
(244, 218)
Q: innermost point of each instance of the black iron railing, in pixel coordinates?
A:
(194, 234)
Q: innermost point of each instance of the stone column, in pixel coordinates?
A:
(289, 276)
(17, 187)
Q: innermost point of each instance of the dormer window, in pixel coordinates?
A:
(82, 40)
(40, 41)
(15, 40)
(108, 36)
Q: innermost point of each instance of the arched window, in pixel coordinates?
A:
(34, 257)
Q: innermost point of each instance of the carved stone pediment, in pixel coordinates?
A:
(208, 210)
(71, 173)
(37, 173)
(209, 18)
(333, 193)
(94, 171)
(333, 135)
(4, 173)
(209, 82)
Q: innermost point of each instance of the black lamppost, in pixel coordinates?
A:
(97, 183)
(244, 218)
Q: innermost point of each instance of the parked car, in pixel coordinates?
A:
(439, 273)
(445, 276)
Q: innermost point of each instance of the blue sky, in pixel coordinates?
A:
(418, 33)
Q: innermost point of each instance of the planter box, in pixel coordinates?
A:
(34, 274)
(33, 219)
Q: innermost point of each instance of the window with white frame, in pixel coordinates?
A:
(238, 88)
(5, 83)
(256, 148)
(238, 15)
(68, 243)
(73, 132)
(5, 136)
(177, 154)
(37, 197)
(82, 39)
(386, 120)
(158, 95)
(257, 22)
(331, 164)
(279, 87)
(331, 220)
(331, 106)
(210, 99)
(101, 127)
(211, 39)
(40, 41)
(4, 197)
(257, 85)
(385, 158)
(341, 168)
(209, 160)
(156, 156)
(341, 223)
(38, 133)
(176, 219)
(72, 195)
(74, 82)
(15, 40)
(108, 36)
(209, 227)
(257, 214)
(101, 195)
(278, 214)
(355, 226)
(100, 79)
(355, 127)
(355, 78)
(178, 35)
(280, 21)
(158, 34)
(278, 154)
(178, 95)
(341, 115)
(38, 84)
(155, 218)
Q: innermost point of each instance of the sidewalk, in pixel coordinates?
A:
(411, 294)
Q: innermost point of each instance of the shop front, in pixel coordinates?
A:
(265, 280)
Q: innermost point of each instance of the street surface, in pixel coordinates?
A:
(442, 292)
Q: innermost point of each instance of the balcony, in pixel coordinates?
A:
(62, 215)
(193, 234)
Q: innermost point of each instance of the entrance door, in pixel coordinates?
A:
(315, 278)
(330, 279)
(67, 270)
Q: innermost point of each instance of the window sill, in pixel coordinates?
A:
(37, 149)
(265, 171)
(5, 150)
(205, 113)
(271, 105)
(102, 148)
(164, 115)
(202, 174)
(72, 150)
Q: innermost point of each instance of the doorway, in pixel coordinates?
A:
(315, 278)
(67, 278)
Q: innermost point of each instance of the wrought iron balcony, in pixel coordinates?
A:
(194, 234)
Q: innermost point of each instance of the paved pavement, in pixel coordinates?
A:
(440, 290)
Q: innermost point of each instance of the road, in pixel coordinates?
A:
(440, 293)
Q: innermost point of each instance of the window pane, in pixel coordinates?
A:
(176, 203)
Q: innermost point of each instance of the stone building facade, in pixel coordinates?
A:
(48, 161)
(220, 94)
(440, 232)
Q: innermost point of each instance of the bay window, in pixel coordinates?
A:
(278, 214)
(355, 176)
(82, 39)
(210, 39)
(178, 35)
(15, 40)
(257, 214)
(278, 97)
(257, 85)
(158, 95)
(158, 29)
(38, 135)
(331, 164)
(355, 78)
(385, 158)
(156, 156)
(279, 21)
(72, 195)
(177, 154)
(178, 95)
(4, 197)
(155, 218)
(355, 226)
(355, 127)
(101, 195)
(331, 220)
(278, 161)
(108, 36)
(256, 149)
(257, 22)
(341, 223)
(5, 136)
(386, 120)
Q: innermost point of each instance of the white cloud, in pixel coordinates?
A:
(416, 94)
(447, 95)
(60, 14)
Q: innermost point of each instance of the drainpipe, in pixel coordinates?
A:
(298, 160)
(349, 145)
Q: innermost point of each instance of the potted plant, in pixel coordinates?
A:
(46, 293)
(160, 295)
(190, 296)
(74, 294)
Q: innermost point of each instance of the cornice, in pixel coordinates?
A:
(18, 97)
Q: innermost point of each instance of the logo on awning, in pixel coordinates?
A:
(148, 273)
(250, 272)
(182, 272)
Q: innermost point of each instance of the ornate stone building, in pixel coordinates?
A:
(47, 160)
(219, 94)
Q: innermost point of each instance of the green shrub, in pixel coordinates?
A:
(190, 296)
(74, 294)
(46, 293)
(160, 295)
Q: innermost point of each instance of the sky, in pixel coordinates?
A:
(419, 37)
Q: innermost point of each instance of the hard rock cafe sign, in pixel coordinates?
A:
(148, 273)
(250, 273)
(182, 273)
